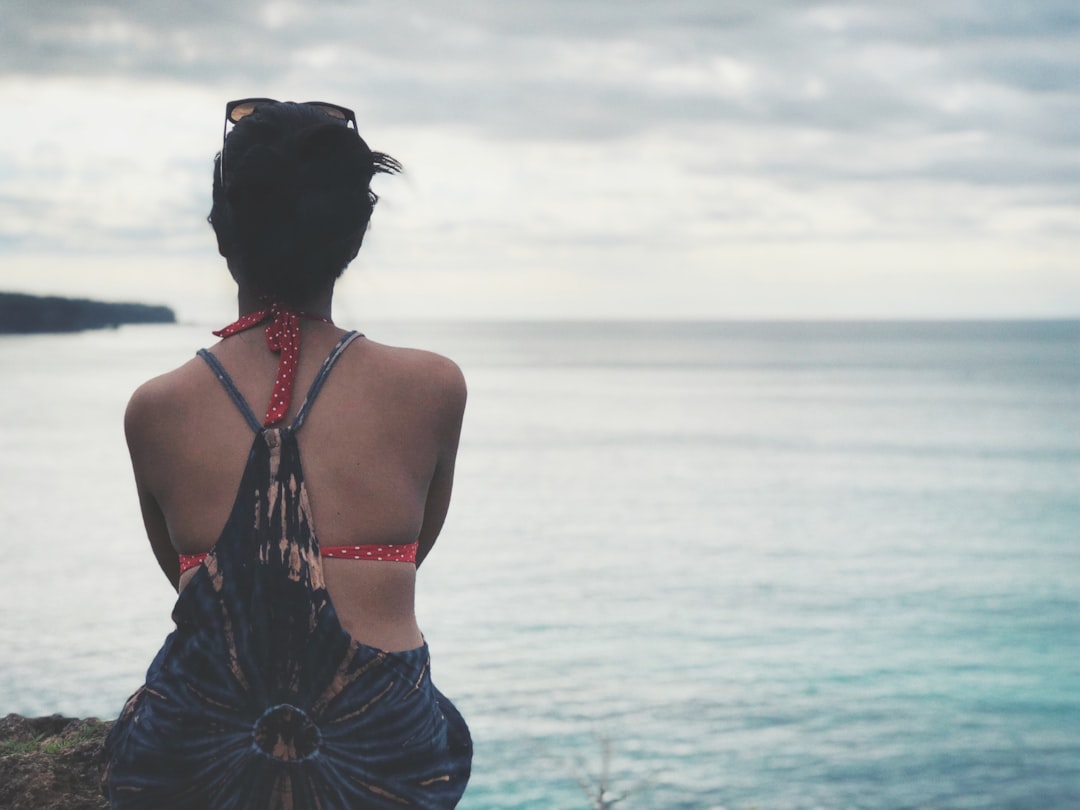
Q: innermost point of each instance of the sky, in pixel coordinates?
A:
(571, 158)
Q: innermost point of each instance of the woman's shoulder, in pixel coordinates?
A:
(165, 394)
(418, 370)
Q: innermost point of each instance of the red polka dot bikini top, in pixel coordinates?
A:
(283, 338)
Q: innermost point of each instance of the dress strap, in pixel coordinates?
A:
(282, 338)
(230, 387)
(320, 378)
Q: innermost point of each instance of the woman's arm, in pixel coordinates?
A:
(452, 396)
(140, 420)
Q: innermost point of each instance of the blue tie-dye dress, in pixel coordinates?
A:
(259, 698)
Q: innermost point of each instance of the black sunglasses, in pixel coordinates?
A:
(240, 109)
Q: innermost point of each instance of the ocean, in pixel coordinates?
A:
(779, 566)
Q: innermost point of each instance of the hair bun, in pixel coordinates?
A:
(264, 181)
(329, 141)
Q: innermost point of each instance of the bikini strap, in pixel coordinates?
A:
(320, 378)
(230, 387)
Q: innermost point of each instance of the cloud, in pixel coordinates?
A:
(592, 131)
(589, 68)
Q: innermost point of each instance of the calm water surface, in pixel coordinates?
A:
(769, 565)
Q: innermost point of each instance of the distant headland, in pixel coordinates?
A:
(21, 314)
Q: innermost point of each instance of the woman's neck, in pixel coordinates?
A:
(320, 303)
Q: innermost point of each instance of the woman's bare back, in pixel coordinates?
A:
(378, 449)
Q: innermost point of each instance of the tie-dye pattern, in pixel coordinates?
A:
(260, 699)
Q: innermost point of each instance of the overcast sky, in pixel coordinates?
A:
(571, 158)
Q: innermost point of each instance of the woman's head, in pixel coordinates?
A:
(292, 198)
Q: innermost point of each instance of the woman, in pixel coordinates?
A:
(297, 676)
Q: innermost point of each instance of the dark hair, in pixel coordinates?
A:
(295, 201)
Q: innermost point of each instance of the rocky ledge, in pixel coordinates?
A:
(20, 314)
(50, 763)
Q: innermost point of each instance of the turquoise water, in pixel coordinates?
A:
(765, 565)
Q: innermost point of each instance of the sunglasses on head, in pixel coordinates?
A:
(236, 111)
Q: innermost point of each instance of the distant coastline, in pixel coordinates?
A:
(25, 314)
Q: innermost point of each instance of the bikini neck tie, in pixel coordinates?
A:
(283, 338)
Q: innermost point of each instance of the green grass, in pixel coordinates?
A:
(89, 732)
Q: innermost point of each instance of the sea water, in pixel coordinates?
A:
(702, 565)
